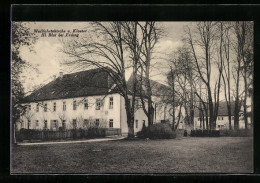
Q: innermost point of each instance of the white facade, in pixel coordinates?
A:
(81, 112)
(79, 109)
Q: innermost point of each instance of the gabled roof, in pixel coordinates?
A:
(85, 83)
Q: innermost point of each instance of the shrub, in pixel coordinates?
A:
(157, 131)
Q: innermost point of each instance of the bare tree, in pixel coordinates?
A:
(247, 68)
(226, 74)
(203, 37)
(180, 78)
(240, 30)
(105, 48)
(151, 32)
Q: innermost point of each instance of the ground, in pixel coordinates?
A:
(183, 155)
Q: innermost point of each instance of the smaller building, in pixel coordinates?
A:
(222, 121)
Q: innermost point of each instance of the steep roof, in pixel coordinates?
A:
(222, 109)
(85, 83)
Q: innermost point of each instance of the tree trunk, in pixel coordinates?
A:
(150, 116)
(229, 116)
(212, 122)
(245, 99)
(130, 120)
(236, 114)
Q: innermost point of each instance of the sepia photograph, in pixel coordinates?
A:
(131, 97)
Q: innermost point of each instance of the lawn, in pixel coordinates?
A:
(184, 155)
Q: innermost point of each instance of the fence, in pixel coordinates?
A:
(43, 135)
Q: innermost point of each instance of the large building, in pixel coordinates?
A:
(83, 99)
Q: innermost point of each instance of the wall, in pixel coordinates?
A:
(139, 115)
(104, 114)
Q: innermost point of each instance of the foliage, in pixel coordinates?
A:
(157, 131)
(20, 36)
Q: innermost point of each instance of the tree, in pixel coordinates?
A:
(180, 78)
(226, 74)
(20, 36)
(105, 48)
(151, 32)
(247, 67)
(201, 41)
(243, 50)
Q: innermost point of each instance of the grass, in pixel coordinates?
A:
(185, 155)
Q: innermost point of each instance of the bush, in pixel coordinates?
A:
(157, 131)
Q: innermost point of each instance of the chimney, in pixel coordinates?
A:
(61, 75)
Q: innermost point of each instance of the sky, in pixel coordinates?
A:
(47, 55)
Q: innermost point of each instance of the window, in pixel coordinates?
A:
(74, 105)
(29, 107)
(198, 119)
(64, 106)
(63, 124)
(98, 104)
(37, 108)
(233, 117)
(136, 123)
(85, 104)
(29, 124)
(97, 122)
(54, 106)
(37, 123)
(222, 118)
(45, 107)
(111, 102)
(218, 118)
(74, 123)
(55, 125)
(111, 123)
(45, 124)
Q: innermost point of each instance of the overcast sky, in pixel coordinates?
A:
(47, 56)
